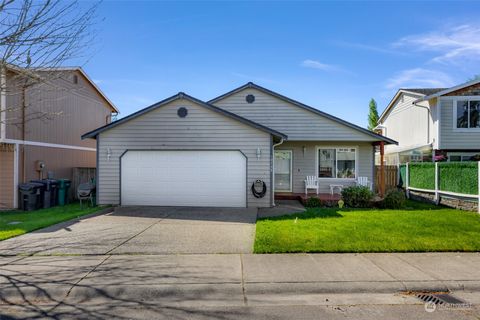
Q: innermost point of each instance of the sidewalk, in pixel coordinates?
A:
(230, 279)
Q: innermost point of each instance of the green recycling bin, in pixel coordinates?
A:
(63, 187)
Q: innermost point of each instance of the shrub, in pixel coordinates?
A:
(394, 199)
(357, 197)
(313, 202)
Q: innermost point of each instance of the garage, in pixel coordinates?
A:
(199, 178)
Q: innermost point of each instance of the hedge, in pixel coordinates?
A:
(422, 175)
(461, 177)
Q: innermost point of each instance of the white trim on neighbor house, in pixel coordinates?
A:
(317, 148)
(439, 131)
(3, 105)
(15, 175)
(290, 189)
(45, 144)
(454, 110)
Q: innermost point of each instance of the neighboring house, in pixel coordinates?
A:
(43, 123)
(433, 124)
(186, 152)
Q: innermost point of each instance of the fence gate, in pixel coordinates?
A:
(391, 178)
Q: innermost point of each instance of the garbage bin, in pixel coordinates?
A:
(63, 187)
(30, 195)
(50, 192)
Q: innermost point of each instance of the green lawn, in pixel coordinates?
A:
(33, 220)
(420, 227)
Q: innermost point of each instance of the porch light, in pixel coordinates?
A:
(259, 153)
(109, 154)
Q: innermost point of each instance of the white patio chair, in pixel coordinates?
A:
(364, 182)
(311, 182)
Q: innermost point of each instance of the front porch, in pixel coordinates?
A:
(302, 197)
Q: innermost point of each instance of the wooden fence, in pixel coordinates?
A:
(391, 178)
(81, 175)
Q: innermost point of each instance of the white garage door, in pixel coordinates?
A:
(184, 178)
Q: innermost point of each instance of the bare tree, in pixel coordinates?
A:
(37, 38)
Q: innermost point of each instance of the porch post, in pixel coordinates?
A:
(382, 169)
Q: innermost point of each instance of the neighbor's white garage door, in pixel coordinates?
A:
(184, 178)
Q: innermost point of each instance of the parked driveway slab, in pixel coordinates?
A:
(144, 230)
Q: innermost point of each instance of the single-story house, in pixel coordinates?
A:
(186, 152)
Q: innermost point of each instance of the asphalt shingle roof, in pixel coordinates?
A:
(425, 91)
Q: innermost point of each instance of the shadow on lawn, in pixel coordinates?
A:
(326, 213)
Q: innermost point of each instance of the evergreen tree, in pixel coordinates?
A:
(372, 115)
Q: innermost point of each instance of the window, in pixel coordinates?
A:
(467, 114)
(337, 163)
(283, 170)
(462, 156)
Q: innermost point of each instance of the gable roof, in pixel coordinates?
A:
(416, 91)
(181, 95)
(425, 91)
(304, 106)
(78, 69)
(448, 90)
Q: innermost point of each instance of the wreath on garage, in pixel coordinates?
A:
(257, 186)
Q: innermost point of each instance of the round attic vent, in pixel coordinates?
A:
(250, 98)
(182, 112)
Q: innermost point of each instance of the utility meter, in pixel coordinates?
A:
(39, 165)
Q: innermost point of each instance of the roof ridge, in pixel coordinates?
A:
(182, 95)
(302, 105)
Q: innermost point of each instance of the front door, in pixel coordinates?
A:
(283, 170)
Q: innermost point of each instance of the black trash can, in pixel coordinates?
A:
(30, 196)
(50, 198)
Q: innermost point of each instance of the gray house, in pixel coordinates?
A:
(186, 152)
(432, 124)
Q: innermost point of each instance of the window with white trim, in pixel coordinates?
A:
(337, 163)
(468, 114)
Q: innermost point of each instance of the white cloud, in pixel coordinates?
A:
(317, 65)
(420, 77)
(323, 66)
(450, 45)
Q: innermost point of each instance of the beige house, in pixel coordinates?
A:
(43, 123)
(433, 124)
(186, 152)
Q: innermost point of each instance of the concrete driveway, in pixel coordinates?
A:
(144, 230)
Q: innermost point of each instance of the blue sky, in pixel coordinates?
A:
(334, 56)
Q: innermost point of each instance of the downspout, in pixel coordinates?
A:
(273, 170)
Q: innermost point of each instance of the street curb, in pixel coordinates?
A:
(223, 293)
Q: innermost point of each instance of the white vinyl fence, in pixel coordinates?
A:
(437, 191)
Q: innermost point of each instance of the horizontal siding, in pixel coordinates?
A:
(296, 122)
(305, 165)
(202, 129)
(60, 162)
(451, 139)
(68, 111)
(408, 124)
(6, 179)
